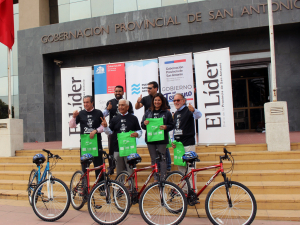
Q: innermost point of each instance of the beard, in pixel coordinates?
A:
(118, 96)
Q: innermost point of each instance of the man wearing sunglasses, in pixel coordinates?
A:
(184, 125)
(146, 102)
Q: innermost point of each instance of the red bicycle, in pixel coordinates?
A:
(108, 200)
(161, 202)
(228, 202)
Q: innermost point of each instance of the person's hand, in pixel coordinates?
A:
(173, 145)
(146, 122)
(109, 106)
(104, 123)
(135, 134)
(191, 108)
(139, 99)
(92, 134)
(163, 127)
(75, 113)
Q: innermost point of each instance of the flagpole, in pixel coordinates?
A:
(272, 49)
(9, 85)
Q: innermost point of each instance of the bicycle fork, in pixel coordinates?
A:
(227, 186)
(49, 187)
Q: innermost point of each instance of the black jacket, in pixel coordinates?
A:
(168, 121)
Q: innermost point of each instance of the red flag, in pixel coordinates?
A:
(7, 35)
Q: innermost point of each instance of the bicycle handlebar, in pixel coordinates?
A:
(226, 154)
(50, 155)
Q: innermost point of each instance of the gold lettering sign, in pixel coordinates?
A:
(155, 23)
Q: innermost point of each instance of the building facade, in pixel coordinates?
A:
(85, 33)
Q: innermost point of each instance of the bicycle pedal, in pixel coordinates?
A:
(98, 206)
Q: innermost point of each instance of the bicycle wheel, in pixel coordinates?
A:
(171, 210)
(78, 190)
(107, 210)
(32, 182)
(122, 178)
(51, 199)
(243, 208)
(175, 177)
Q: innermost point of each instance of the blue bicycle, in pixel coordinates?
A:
(49, 196)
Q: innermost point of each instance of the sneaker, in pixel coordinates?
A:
(110, 171)
(102, 192)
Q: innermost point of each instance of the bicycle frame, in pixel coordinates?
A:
(87, 174)
(193, 171)
(134, 174)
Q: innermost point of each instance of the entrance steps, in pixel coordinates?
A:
(273, 177)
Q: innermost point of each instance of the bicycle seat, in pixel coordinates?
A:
(38, 159)
(86, 159)
(190, 157)
(134, 159)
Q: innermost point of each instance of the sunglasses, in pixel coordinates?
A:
(177, 100)
(149, 88)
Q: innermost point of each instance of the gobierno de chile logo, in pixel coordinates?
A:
(135, 89)
(100, 70)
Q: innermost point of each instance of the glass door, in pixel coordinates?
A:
(250, 91)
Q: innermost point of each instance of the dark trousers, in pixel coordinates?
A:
(168, 160)
(98, 161)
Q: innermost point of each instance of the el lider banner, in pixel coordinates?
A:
(106, 77)
(138, 75)
(214, 97)
(75, 84)
(176, 76)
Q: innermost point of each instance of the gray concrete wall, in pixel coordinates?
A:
(39, 77)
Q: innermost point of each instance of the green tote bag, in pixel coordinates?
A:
(178, 153)
(89, 145)
(153, 131)
(127, 144)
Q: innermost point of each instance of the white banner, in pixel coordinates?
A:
(214, 97)
(138, 75)
(176, 76)
(75, 84)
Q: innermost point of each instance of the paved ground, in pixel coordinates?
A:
(241, 138)
(19, 212)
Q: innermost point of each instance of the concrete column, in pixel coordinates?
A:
(11, 136)
(33, 13)
(277, 126)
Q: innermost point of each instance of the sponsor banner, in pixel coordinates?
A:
(106, 77)
(214, 97)
(75, 84)
(138, 75)
(176, 76)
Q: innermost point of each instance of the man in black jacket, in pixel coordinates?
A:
(184, 126)
(124, 122)
(112, 110)
(90, 123)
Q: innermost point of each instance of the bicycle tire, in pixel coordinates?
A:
(32, 182)
(122, 177)
(175, 177)
(47, 207)
(78, 190)
(171, 212)
(243, 210)
(104, 212)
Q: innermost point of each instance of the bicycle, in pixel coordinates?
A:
(228, 202)
(108, 200)
(51, 198)
(161, 202)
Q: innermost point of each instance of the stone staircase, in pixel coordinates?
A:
(273, 177)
